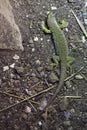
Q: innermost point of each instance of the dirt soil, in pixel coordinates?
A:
(25, 74)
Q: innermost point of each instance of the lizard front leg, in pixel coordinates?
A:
(44, 28)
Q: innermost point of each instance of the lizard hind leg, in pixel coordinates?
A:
(55, 60)
(70, 61)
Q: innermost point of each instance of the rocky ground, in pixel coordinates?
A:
(26, 73)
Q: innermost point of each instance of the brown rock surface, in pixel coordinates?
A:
(10, 36)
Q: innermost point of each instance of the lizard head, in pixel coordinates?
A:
(50, 15)
(51, 20)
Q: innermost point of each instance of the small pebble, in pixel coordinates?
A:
(35, 79)
(33, 49)
(72, 111)
(83, 39)
(27, 91)
(5, 68)
(12, 75)
(67, 115)
(35, 39)
(33, 74)
(38, 62)
(27, 109)
(43, 74)
(39, 123)
(43, 104)
(85, 21)
(19, 70)
(85, 4)
(41, 39)
(73, 46)
(24, 116)
(12, 65)
(78, 77)
(66, 29)
(53, 8)
(16, 57)
(40, 88)
(68, 84)
(40, 69)
(27, 16)
(31, 41)
(53, 78)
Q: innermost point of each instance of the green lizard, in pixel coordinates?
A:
(61, 44)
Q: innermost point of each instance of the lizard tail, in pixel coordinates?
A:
(61, 82)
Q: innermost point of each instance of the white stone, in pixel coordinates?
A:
(33, 49)
(16, 57)
(41, 39)
(5, 68)
(42, 105)
(78, 77)
(83, 39)
(12, 65)
(53, 8)
(66, 29)
(39, 123)
(28, 109)
(35, 39)
(38, 62)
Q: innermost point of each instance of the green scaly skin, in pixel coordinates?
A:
(60, 41)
